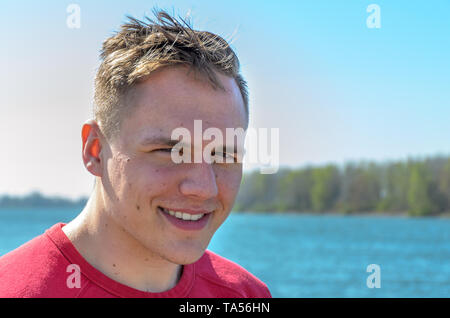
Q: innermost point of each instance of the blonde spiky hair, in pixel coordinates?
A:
(140, 48)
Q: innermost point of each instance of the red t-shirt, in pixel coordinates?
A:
(41, 268)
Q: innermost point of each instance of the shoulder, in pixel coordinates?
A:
(35, 269)
(233, 278)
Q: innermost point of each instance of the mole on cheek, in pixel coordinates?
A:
(138, 207)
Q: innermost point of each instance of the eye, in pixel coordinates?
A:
(168, 150)
(225, 156)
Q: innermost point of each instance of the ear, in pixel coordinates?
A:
(92, 147)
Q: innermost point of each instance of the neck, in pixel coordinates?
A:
(117, 254)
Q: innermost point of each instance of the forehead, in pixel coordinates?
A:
(172, 98)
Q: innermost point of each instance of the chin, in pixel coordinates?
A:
(185, 255)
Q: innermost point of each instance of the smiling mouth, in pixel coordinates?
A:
(183, 215)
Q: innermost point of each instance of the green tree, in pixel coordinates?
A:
(325, 188)
(444, 186)
(419, 199)
(394, 184)
(294, 191)
(259, 192)
(362, 192)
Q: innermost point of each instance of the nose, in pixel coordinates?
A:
(200, 181)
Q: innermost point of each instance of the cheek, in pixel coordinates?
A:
(117, 175)
(118, 183)
(228, 182)
(147, 179)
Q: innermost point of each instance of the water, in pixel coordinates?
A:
(307, 255)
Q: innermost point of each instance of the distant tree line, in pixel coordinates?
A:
(36, 199)
(418, 187)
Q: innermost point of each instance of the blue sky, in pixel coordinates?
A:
(337, 90)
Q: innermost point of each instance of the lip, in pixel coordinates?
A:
(187, 225)
(188, 211)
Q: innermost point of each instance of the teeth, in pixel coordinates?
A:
(184, 216)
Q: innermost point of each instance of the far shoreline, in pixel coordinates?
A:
(40, 202)
(445, 215)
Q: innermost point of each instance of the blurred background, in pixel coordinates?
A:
(359, 91)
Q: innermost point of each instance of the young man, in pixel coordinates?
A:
(146, 227)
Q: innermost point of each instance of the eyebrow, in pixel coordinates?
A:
(159, 140)
(162, 140)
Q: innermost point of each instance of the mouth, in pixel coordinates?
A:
(186, 219)
(184, 215)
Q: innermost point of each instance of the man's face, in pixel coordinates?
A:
(139, 175)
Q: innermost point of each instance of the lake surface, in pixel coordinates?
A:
(307, 255)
